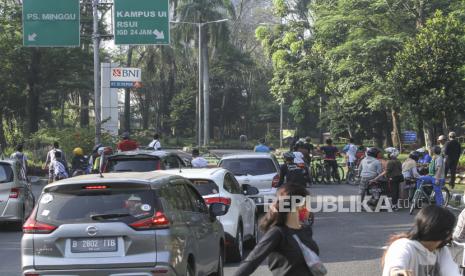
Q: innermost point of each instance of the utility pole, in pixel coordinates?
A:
(281, 123)
(127, 96)
(97, 96)
(199, 131)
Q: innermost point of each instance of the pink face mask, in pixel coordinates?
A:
(303, 214)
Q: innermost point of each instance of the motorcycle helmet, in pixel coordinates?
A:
(373, 152)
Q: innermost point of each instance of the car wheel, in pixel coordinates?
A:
(19, 224)
(220, 269)
(237, 251)
(254, 240)
(190, 271)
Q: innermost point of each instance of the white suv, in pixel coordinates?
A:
(240, 222)
(260, 170)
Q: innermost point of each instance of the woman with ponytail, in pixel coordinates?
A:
(279, 243)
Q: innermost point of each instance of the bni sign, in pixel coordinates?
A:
(125, 77)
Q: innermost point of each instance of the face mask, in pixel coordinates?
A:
(303, 214)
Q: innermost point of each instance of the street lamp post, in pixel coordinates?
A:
(281, 123)
(206, 95)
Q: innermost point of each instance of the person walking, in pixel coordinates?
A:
(422, 251)
(452, 151)
(155, 144)
(284, 234)
(350, 151)
(126, 144)
(261, 147)
(51, 157)
(22, 159)
(197, 160)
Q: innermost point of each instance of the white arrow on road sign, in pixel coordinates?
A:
(32, 37)
(158, 34)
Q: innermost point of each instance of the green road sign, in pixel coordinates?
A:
(51, 23)
(141, 22)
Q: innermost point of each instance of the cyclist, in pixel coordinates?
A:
(409, 167)
(370, 167)
(330, 153)
(79, 162)
(436, 175)
(261, 147)
(292, 172)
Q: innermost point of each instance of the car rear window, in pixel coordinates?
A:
(249, 166)
(133, 165)
(80, 205)
(6, 173)
(205, 187)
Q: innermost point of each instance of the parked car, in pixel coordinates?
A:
(143, 161)
(123, 224)
(240, 222)
(260, 170)
(16, 197)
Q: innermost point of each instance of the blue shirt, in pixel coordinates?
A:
(261, 148)
(426, 159)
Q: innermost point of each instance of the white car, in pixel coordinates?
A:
(240, 222)
(260, 170)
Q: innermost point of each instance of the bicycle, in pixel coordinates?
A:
(317, 169)
(327, 170)
(424, 194)
(352, 177)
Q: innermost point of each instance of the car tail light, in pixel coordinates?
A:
(14, 193)
(158, 221)
(32, 226)
(224, 200)
(96, 187)
(275, 181)
(31, 274)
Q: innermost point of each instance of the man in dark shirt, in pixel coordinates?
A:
(452, 151)
(293, 173)
(330, 153)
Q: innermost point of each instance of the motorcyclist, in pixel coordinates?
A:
(79, 162)
(290, 172)
(409, 167)
(369, 169)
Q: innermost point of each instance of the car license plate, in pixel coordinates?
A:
(94, 245)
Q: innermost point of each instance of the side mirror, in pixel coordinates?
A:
(217, 210)
(249, 190)
(187, 162)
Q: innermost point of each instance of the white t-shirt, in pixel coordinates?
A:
(410, 255)
(199, 162)
(351, 153)
(298, 157)
(155, 144)
(51, 155)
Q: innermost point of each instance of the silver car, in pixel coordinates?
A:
(16, 198)
(136, 224)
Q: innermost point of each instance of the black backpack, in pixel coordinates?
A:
(296, 174)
